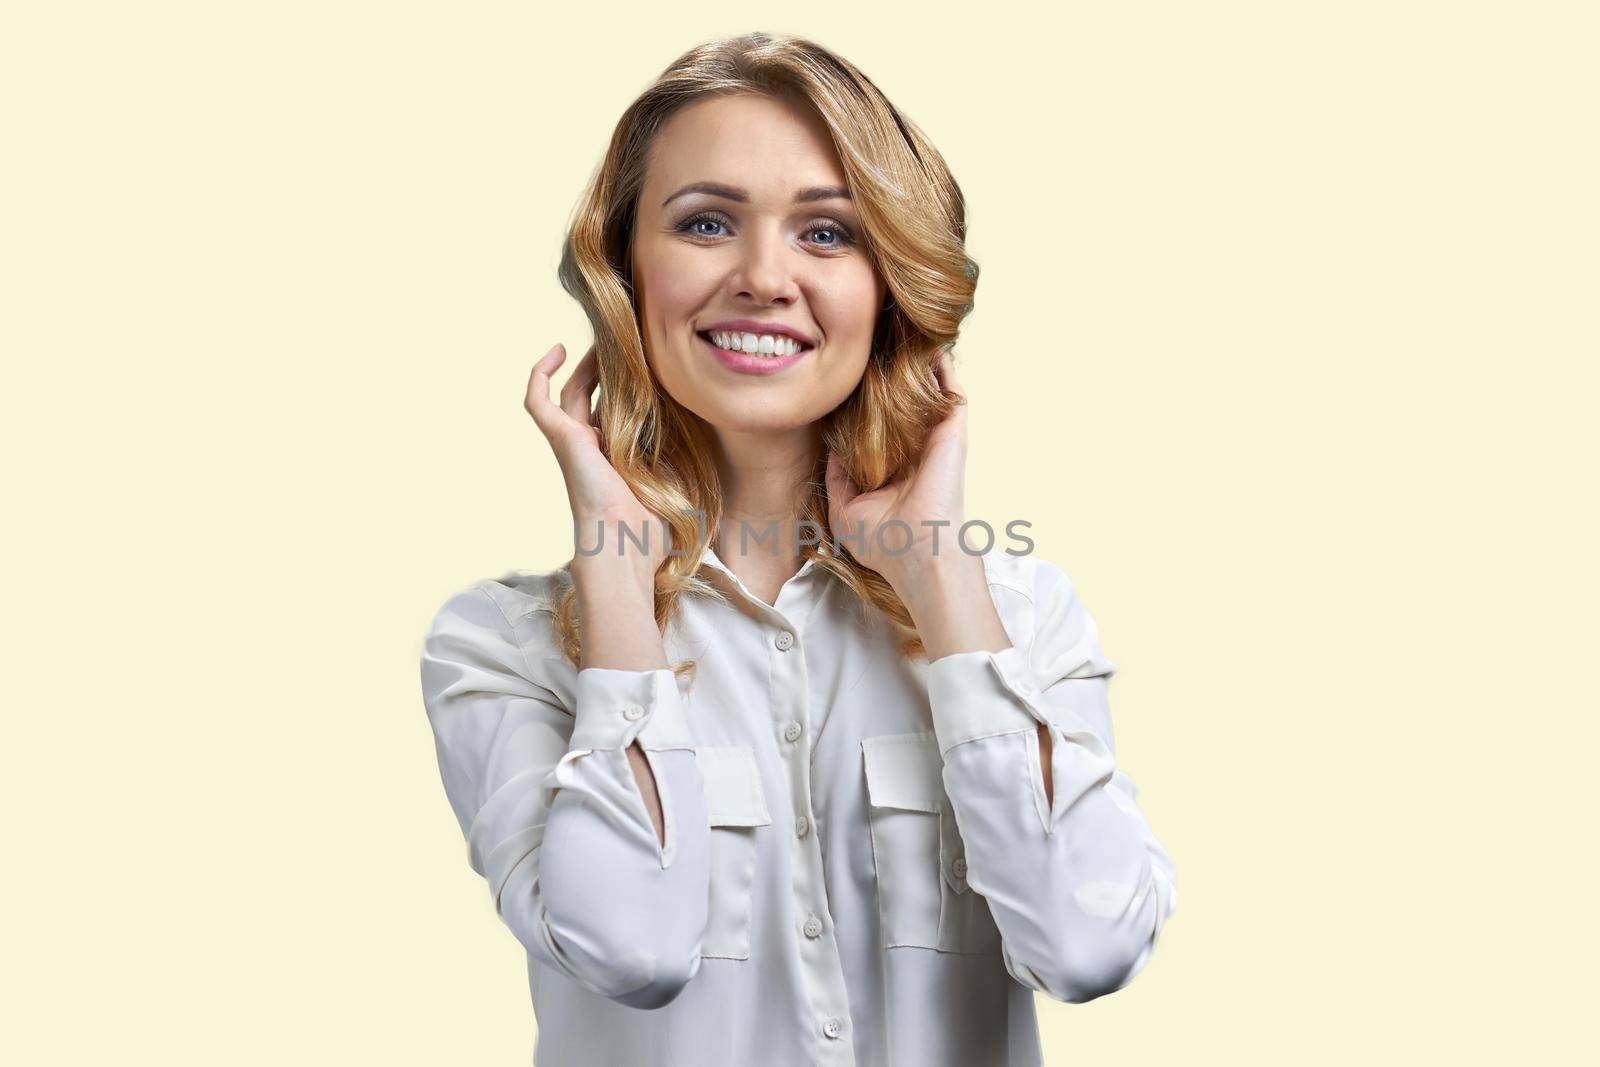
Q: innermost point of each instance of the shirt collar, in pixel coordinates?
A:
(709, 558)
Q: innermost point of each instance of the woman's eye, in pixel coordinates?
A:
(707, 226)
(841, 236)
(693, 225)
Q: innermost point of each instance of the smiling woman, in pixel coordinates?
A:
(802, 806)
(711, 249)
(766, 173)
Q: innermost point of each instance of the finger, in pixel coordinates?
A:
(577, 395)
(946, 368)
(954, 425)
(537, 399)
(841, 490)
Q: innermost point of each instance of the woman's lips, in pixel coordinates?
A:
(746, 363)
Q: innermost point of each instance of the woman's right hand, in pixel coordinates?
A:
(597, 494)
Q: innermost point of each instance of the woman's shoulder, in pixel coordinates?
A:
(1027, 574)
(1041, 609)
(523, 593)
(514, 607)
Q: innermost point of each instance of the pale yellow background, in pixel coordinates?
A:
(1285, 342)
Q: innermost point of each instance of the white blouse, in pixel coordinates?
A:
(860, 865)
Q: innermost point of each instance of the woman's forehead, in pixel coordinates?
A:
(765, 148)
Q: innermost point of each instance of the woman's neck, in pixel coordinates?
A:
(763, 479)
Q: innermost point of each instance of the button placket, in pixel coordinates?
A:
(789, 696)
(821, 954)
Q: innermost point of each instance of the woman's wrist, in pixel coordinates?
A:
(607, 576)
(617, 617)
(612, 563)
(952, 610)
(935, 583)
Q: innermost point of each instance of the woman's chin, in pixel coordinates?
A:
(758, 418)
(764, 404)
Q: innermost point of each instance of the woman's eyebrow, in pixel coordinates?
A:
(729, 192)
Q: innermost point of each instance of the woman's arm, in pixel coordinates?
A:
(1077, 883)
(552, 808)
(945, 631)
(1076, 880)
(588, 821)
(616, 600)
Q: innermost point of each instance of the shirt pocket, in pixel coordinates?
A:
(918, 856)
(736, 805)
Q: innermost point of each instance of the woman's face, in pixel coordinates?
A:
(775, 244)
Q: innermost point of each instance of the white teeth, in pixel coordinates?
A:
(765, 344)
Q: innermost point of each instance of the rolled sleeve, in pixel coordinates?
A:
(975, 694)
(552, 812)
(617, 707)
(1077, 884)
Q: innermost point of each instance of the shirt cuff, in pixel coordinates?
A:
(980, 694)
(615, 707)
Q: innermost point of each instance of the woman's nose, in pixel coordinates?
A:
(767, 270)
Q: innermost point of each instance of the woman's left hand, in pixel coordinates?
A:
(927, 500)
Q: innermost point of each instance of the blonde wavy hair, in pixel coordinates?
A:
(914, 217)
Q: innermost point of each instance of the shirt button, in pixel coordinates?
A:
(784, 640)
(961, 866)
(791, 732)
(801, 825)
(833, 1028)
(633, 712)
(813, 927)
